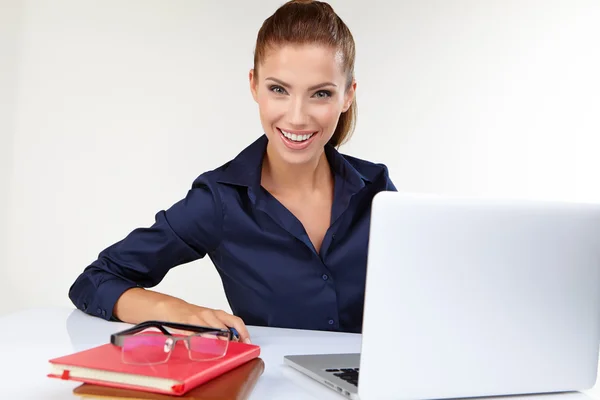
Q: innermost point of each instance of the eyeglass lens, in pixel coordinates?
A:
(155, 347)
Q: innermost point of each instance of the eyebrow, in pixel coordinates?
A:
(320, 85)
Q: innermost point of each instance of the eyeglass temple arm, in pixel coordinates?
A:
(117, 338)
(193, 328)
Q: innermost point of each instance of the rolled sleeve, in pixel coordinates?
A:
(101, 304)
(187, 231)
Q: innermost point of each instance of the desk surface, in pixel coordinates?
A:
(28, 339)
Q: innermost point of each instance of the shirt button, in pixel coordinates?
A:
(331, 322)
(325, 277)
(99, 311)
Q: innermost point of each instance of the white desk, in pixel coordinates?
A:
(28, 339)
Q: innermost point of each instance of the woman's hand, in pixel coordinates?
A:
(195, 315)
(137, 305)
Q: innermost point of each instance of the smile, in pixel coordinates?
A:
(296, 136)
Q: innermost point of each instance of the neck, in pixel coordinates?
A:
(280, 176)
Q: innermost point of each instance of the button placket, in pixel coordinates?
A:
(330, 286)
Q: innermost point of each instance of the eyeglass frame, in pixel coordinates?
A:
(118, 338)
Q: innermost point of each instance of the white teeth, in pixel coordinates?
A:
(296, 138)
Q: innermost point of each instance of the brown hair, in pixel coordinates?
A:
(312, 22)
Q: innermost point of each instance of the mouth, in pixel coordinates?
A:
(296, 136)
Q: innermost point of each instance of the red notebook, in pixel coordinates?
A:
(102, 365)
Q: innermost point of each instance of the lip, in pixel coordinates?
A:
(296, 132)
(297, 145)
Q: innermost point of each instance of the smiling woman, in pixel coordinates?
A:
(304, 92)
(286, 222)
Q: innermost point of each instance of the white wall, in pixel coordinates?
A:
(121, 105)
(10, 28)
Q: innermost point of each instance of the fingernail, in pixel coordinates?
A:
(247, 341)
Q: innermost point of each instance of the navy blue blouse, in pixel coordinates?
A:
(271, 272)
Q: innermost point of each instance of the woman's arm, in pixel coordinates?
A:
(114, 286)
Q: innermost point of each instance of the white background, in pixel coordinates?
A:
(110, 109)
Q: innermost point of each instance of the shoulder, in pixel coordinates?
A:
(242, 170)
(368, 169)
(211, 177)
(371, 171)
(232, 173)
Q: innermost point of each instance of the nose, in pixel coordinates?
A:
(297, 114)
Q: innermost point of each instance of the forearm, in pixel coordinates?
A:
(137, 305)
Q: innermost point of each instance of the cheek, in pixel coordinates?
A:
(270, 110)
(327, 115)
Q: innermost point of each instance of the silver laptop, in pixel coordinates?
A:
(473, 297)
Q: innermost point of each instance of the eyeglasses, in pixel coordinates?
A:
(142, 346)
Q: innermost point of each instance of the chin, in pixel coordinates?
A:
(298, 159)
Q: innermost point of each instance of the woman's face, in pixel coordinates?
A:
(301, 92)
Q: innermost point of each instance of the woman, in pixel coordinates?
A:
(285, 222)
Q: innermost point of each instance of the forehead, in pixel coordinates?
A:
(303, 64)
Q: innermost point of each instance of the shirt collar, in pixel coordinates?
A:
(245, 168)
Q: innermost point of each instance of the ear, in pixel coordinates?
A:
(349, 96)
(253, 84)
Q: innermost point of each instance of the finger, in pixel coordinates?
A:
(238, 324)
(211, 320)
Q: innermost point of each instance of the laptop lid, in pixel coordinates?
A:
(468, 297)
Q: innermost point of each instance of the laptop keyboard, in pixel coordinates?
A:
(350, 375)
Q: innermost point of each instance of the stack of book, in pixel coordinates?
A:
(104, 375)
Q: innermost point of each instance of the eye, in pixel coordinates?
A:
(277, 89)
(322, 94)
